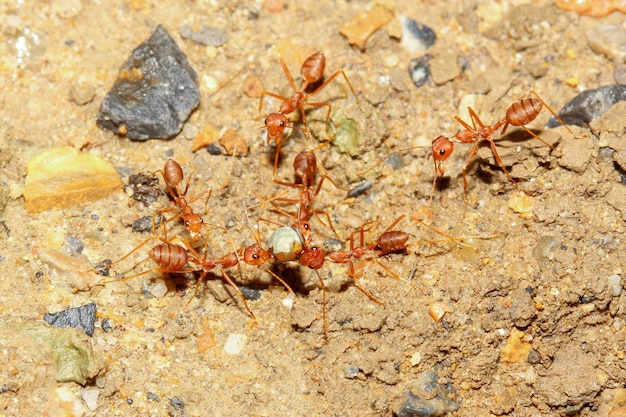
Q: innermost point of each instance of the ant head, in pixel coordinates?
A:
(193, 223)
(313, 257)
(442, 148)
(256, 255)
(276, 124)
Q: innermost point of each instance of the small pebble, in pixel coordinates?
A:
(152, 396)
(235, 343)
(103, 267)
(72, 245)
(361, 188)
(351, 372)
(419, 70)
(158, 288)
(90, 397)
(143, 224)
(437, 310)
(106, 325)
(615, 283)
(83, 317)
(516, 349)
(207, 136)
(432, 398)
(416, 358)
(177, 403)
(205, 35)
(214, 149)
(82, 94)
(250, 293)
(416, 37)
(234, 144)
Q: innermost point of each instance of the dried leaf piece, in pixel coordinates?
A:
(363, 25)
(63, 177)
(207, 136)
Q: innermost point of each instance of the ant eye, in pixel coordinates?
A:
(442, 152)
(187, 223)
(255, 256)
(201, 220)
(282, 123)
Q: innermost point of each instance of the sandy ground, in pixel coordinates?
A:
(532, 327)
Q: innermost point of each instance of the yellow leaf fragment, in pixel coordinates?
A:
(362, 26)
(207, 136)
(63, 177)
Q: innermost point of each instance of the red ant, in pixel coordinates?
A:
(519, 114)
(311, 71)
(173, 176)
(389, 241)
(305, 168)
(173, 258)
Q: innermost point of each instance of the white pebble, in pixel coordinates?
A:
(416, 358)
(90, 397)
(159, 288)
(615, 284)
(235, 343)
(288, 302)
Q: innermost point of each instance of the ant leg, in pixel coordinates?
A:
(323, 286)
(332, 77)
(556, 116)
(236, 288)
(267, 93)
(499, 161)
(288, 74)
(282, 281)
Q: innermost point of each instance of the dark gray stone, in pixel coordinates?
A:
(589, 105)
(83, 317)
(154, 93)
(433, 399)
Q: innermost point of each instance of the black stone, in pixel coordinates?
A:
(83, 317)
(154, 93)
(589, 105)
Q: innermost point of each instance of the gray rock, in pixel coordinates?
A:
(83, 317)
(155, 91)
(609, 40)
(205, 35)
(433, 399)
(589, 105)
